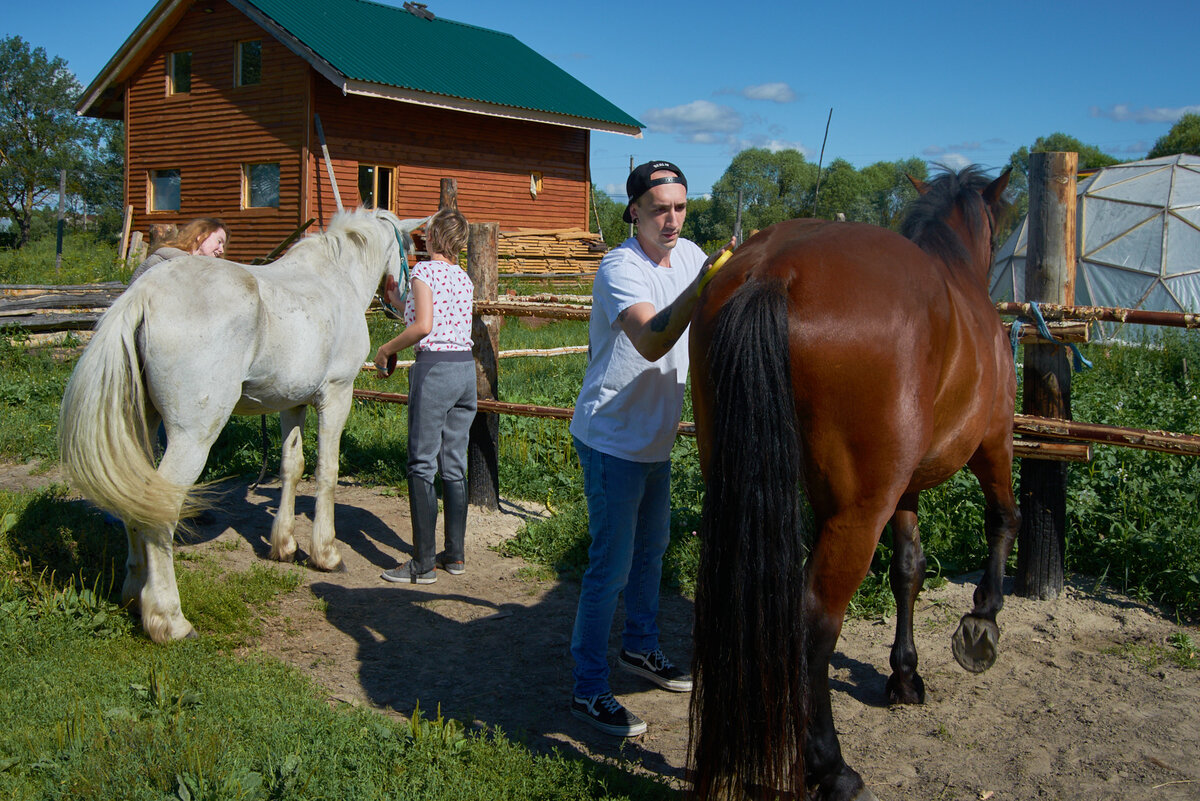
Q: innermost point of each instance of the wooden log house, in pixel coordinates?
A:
(220, 100)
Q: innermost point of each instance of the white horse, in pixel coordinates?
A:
(197, 339)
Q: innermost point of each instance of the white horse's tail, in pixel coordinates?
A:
(103, 440)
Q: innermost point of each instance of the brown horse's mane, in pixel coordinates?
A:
(925, 223)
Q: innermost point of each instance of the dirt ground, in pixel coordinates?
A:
(1062, 715)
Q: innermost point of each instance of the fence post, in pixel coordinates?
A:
(449, 194)
(1049, 278)
(483, 457)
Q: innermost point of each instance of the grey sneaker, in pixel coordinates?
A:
(606, 714)
(453, 568)
(404, 574)
(657, 668)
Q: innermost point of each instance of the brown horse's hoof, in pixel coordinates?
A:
(905, 692)
(865, 795)
(974, 644)
(340, 567)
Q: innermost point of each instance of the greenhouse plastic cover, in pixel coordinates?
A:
(1138, 230)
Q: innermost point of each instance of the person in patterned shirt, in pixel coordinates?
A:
(441, 399)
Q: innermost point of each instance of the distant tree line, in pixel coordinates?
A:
(781, 185)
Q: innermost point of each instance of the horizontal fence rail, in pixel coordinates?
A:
(76, 308)
(1060, 451)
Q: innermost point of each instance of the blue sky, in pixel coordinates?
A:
(951, 82)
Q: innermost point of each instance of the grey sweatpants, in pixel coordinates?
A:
(441, 408)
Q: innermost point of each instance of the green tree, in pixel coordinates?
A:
(774, 186)
(606, 218)
(102, 183)
(1184, 137)
(39, 132)
(1090, 158)
(888, 190)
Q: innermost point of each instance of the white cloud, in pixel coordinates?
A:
(700, 122)
(1123, 113)
(771, 144)
(778, 92)
(955, 161)
(775, 92)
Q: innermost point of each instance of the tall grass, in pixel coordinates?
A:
(85, 260)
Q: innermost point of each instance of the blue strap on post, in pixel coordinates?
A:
(1080, 361)
(1014, 336)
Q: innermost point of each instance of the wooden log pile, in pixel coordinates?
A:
(38, 309)
(570, 251)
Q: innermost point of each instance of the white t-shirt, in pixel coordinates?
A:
(629, 407)
(453, 296)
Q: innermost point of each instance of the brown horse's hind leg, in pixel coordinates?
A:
(839, 561)
(905, 685)
(975, 642)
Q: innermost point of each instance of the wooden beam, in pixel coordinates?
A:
(1105, 314)
(1162, 441)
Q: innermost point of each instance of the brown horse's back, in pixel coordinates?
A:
(884, 351)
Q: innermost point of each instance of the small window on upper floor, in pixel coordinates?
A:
(249, 63)
(164, 190)
(179, 72)
(260, 186)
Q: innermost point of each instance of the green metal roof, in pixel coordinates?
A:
(390, 46)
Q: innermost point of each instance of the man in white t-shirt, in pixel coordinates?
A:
(624, 425)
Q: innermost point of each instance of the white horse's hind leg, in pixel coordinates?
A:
(331, 419)
(291, 467)
(135, 571)
(162, 616)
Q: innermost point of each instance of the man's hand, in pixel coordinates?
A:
(713, 263)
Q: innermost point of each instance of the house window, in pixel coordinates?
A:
(179, 72)
(249, 63)
(260, 186)
(164, 190)
(375, 186)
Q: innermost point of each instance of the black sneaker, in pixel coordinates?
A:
(657, 668)
(404, 574)
(606, 714)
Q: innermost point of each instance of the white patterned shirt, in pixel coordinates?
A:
(453, 295)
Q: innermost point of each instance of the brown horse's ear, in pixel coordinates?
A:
(918, 184)
(995, 189)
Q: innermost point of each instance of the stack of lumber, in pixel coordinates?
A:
(528, 251)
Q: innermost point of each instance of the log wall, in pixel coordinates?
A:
(211, 131)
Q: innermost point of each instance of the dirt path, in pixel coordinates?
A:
(1062, 715)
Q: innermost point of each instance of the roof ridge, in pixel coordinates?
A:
(436, 17)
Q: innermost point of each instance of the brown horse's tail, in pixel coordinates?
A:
(749, 709)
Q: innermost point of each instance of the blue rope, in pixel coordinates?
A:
(405, 273)
(1080, 361)
(1014, 336)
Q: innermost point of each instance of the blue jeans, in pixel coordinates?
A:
(629, 518)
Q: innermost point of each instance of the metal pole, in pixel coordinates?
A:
(62, 200)
(337, 196)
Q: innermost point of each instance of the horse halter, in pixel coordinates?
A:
(404, 272)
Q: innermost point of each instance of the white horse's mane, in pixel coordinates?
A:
(359, 227)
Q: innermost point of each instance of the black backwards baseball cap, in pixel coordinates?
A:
(638, 183)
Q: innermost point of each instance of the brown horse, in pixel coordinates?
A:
(863, 366)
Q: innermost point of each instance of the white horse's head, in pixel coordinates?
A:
(386, 244)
